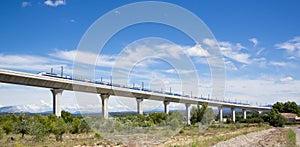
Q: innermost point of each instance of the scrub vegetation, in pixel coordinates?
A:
(91, 130)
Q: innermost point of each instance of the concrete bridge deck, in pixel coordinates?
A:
(57, 85)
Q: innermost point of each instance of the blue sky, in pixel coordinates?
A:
(259, 40)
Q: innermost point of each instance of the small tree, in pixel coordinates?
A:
(278, 106)
(198, 114)
(75, 126)
(84, 127)
(287, 107)
(38, 130)
(175, 119)
(208, 116)
(276, 119)
(22, 124)
(291, 107)
(67, 116)
(158, 117)
(58, 128)
(7, 126)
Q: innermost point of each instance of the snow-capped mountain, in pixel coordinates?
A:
(12, 109)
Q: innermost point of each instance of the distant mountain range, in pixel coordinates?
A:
(12, 109)
(48, 110)
(24, 109)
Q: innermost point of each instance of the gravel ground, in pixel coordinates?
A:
(271, 137)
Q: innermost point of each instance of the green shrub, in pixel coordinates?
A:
(39, 131)
(1, 132)
(84, 127)
(22, 123)
(58, 128)
(291, 138)
(276, 119)
(181, 131)
(97, 135)
(8, 126)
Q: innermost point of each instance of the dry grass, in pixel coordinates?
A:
(15, 140)
(291, 138)
(192, 137)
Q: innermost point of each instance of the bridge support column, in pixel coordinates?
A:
(220, 114)
(57, 93)
(188, 113)
(233, 114)
(244, 113)
(139, 105)
(104, 98)
(166, 104)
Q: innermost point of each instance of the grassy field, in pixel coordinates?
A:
(188, 136)
(291, 138)
(90, 139)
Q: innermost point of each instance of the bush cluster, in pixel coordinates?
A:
(40, 126)
(152, 119)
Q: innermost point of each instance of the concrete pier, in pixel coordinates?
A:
(139, 101)
(57, 93)
(220, 114)
(166, 104)
(104, 98)
(244, 113)
(233, 114)
(188, 113)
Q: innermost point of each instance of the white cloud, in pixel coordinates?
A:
(290, 45)
(260, 51)
(22, 59)
(263, 90)
(172, 71)
(72, 21)
(286, 79)
(85, 57)
(26, 62)
(55, 3)
(231, 51)
(230, 66)
(278, 63)
(291, 58)
(254, 41)
(210, 42)
(196, 50)
(26, 4)
(261, 62)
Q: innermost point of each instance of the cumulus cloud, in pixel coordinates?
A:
(55, 3)
(286, 79)
(266, 90)
(26, 4)
(210, 42)
(196, 50)
(254, 41)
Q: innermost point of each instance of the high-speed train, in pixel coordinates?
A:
(125, 86)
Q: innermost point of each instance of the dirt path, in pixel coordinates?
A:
(270, 137)
(297, 131)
